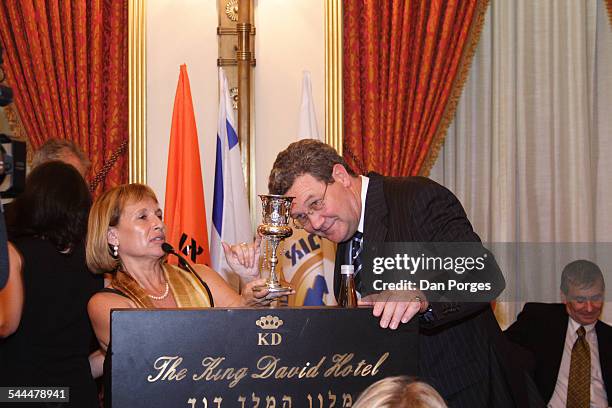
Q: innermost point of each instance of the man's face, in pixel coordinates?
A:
(584, 304)
(339, 218)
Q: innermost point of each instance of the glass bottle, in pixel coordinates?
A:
(348, 296)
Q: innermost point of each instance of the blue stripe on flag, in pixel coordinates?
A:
(314, 295)
(232, 137)
(217, 215)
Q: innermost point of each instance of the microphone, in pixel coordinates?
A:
(167, 248)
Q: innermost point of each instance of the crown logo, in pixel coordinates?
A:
(269, 322)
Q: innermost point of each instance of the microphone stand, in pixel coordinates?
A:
(167, 248)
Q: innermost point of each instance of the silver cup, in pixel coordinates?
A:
(274, 229)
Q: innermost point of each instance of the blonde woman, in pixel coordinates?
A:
(399, 392)
(124, 238)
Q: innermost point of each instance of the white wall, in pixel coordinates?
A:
(181, 31)
(289, 39)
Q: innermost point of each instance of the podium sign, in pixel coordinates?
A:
(281, 358)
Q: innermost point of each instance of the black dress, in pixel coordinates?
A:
(53, 341)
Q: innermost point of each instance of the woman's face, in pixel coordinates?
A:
(140, 232)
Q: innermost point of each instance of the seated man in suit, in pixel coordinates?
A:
(572, 349)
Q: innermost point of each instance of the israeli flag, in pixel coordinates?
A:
(308, 261)
(231, 218)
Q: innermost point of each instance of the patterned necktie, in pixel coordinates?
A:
(356, 248)
(579, 383)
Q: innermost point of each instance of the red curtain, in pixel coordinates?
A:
(405, 63)
(67, 62)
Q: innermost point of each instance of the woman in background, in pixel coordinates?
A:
(44, 306)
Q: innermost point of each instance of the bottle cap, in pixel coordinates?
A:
(347, 269)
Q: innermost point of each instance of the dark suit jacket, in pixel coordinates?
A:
(540, 328)
(463, 353)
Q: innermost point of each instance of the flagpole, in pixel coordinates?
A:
(244, 56)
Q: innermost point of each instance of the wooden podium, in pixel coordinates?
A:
(281, 358)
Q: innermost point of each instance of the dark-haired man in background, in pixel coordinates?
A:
(572, 349)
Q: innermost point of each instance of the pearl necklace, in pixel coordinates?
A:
(161, 297)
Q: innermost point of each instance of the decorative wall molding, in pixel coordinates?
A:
(137, 94)
(333, 74)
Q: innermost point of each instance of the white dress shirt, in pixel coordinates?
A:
(365, 181)
(599, 398)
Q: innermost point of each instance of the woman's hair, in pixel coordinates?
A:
(105, 213)
(399, 392)
(53, 206)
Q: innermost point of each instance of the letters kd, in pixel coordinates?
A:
(269, 322)
(269, 339)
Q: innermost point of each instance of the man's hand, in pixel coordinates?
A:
(394, 308)
(243, 258)
(261, 297)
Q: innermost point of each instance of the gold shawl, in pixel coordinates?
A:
(187, 290)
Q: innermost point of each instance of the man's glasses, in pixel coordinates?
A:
(301, 221)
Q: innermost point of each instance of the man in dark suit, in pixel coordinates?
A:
(551, 332)
(462, 349)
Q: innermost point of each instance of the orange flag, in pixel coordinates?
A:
(185, 212)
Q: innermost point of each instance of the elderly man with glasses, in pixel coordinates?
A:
(571, 347)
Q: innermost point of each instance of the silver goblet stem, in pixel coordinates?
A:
(274, 242)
